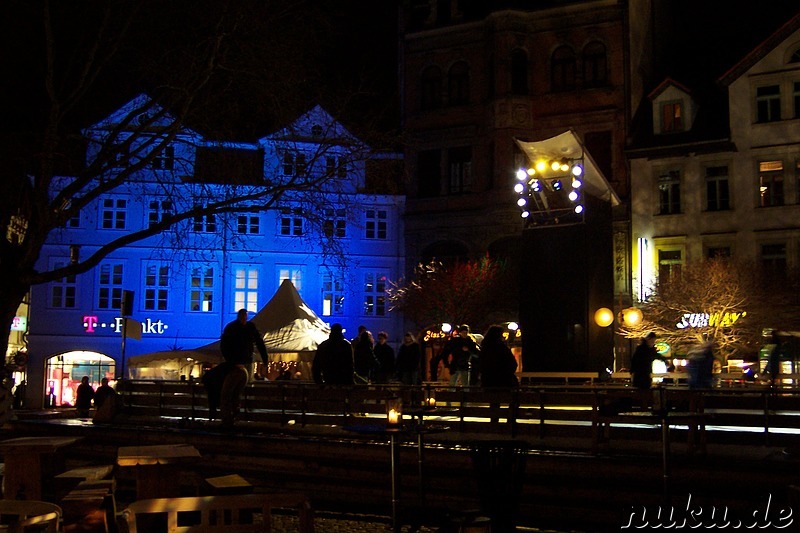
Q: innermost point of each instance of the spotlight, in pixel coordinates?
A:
(573, 196)
(577, 170)
(576, 183)
(557, 185)
(521, 174)
(536, 186)
(519, 187)
(564, 167)
(531, 171)
(555, 165)
(541, 165)
(521, 202)
(525, 214)
(578, 209)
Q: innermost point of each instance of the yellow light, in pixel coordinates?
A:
(604, 317)
(555, 165)
(541, 165)
(632, 316)
(531, 171)
(564, 167)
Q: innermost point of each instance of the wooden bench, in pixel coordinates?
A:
(226, 514)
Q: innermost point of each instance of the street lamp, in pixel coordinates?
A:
(632, 316)
(604, 317)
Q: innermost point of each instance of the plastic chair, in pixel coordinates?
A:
(20, 516)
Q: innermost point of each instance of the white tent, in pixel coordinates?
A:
(291, 329)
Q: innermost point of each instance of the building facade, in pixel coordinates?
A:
(339, 245)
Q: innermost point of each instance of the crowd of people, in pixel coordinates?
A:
(104, 400)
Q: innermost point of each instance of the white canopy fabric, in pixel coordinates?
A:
(291, 330)
(568, 145)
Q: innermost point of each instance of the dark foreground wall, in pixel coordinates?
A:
(567, 274)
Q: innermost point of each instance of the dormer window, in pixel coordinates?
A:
(316, 130)
(672, 117)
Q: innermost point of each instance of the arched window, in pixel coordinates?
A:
(795, 57)
(458, 84)
(595, 72)
(563, 69)
(431, 88)
(519, 72)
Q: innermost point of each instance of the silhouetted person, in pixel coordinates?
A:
(83, 397)
(700, 366)
(333, 362)
(498, 364)
(237, 342)
(384, 355)
(642, 362)
(105, 402)
(409, 360)
(364, 357)
(774, 358)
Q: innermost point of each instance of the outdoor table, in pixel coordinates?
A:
(392, 432)
(422, 412)
(157, 467)
(24, 469)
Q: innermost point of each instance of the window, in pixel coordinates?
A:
(204, 223)
(713, 252)
(201, 289)
(291, 222)
(375, 294)
(669, 193)
(316, 130)
(334, 166)
(795, 57)
(671, 117)
(245, 289)
(595, 71)
(109, 294)
(429, 172)
(74, 221)
(768, 103)
(114, 211)
(773, 259)
(294, 163)
(293, 274)
(332, 295)
(156, 287)
(165, 160)
(460, 163)
(770, 183)
(431, 88)
(376, 224)
(335, 222)
(562, 74)
(157, 210)
(248, 224)
(458, 84)
(796, 99)
(669, 265)
(519, 72)
(63, 291)
(717, 188)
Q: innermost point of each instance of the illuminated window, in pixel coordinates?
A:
(376, 224)
(291, 222)
(669, 265)
(156, 287)
(431, 88)
(770, 183)
(375, 294)
(669, 193)
(63, 291)
(519, 72)
(109, 293)
(562, 69)
(671, 117)
(245, 289)
(113, 214)
(201, 289)
(248, 224)
(335, 223)
(332, 295)
(768, 103)
(293, 274)
(717, 188)
(595, 69)
(157, 210)
(165, 160)
(458, 84)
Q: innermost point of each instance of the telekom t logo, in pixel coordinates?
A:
(89, 323)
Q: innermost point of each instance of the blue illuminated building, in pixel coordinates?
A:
(189, 281)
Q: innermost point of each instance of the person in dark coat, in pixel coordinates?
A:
(384, 355)
(409, 360)
(83, 397)
(498, 364)
(105, 403)
(364, 357)
(642, 362)
(701, 366)
(333, 362)
(237, 342)
(459, 353)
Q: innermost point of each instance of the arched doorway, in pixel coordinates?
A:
(63, 374)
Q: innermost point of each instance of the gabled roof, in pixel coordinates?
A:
(760, 51)
(664, 85)
(136, 112)
(304, 128)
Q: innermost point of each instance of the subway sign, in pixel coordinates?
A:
(705, 320)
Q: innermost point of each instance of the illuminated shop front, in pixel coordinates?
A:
(63, 374)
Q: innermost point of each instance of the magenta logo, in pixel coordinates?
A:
(89, 323)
